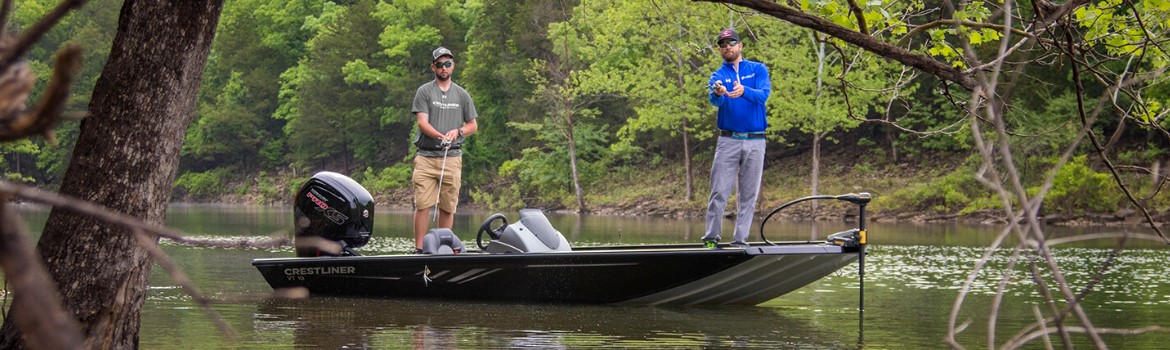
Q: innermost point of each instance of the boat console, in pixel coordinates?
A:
(532, 234)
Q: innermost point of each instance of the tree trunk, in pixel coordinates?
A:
(687, 161)
(686, 137)
(816, 170)
(573, 165)
(126, 158)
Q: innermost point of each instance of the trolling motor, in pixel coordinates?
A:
(331, 209)
(854, 238)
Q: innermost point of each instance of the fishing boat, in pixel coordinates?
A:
(530, 260)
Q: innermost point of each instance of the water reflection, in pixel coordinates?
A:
(912, 277)
(370, 323)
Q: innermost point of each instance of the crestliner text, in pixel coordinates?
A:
(331, 270)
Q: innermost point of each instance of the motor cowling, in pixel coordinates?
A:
(332, 210)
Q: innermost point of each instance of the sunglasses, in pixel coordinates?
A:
(725, 44)
(447, 64)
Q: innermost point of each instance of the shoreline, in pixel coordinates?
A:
(1123, 218)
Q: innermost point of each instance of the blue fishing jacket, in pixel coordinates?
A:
(745, 113)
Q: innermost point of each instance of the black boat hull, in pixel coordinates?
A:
(643, 275)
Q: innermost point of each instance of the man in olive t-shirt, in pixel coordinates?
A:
(445, 116)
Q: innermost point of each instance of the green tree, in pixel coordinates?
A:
(501, 42)
(561, 90)
(90, 26)
(235, 129)
(658, 56)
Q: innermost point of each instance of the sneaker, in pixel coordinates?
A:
(711, 244)
(739, 245)
(418, 251)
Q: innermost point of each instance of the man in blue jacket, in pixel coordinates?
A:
(739, 89)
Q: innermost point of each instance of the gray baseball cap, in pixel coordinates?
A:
(440, 52)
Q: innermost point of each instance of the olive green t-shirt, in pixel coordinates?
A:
(446, 110)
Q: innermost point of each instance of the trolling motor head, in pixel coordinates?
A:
(331, 209)
(862, 198)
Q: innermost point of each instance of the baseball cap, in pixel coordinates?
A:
(440, 52)
(726, 34)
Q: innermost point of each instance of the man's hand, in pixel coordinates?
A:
(451, 135)
(719, 89)
(736, 92)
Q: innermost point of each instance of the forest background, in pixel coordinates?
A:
(594, 106)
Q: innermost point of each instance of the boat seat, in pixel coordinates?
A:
(441, 241)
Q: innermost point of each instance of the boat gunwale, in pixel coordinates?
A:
(779, 248)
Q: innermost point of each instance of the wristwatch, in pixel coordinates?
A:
(460, 131)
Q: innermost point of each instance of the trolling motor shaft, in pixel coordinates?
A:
(854, 238)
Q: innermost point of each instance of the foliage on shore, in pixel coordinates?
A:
(293, 88)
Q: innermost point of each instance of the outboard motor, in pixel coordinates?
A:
(333, 214)
(532, 234)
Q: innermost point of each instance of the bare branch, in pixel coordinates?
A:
(918, 61)
(177, 275)
(34, 33)
(941, 22)
(1101, 149)
(41, 121)
(1029, 337)
(87, 208)
(860, 17)
(45, 323)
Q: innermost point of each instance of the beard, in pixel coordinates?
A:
(730, 56)
(442, 76)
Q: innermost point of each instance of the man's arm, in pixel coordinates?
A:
(424, 126)
(760, 93)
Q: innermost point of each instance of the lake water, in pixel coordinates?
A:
(913, 274)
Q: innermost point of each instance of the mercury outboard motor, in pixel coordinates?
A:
(333, 214)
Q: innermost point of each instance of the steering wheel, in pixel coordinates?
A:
(494, 233)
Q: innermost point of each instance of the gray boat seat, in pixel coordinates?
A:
(441, 241)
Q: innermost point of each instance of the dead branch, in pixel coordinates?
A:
(937, 23)
(162, 259)
(1044, 332)
(918, 61)
(99, 212)
(139, 228)
(45, 322)
(1101, 149)
(36, 31)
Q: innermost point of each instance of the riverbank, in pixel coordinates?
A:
(660, 192)
(901, 194)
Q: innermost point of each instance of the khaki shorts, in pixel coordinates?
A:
(426, 182)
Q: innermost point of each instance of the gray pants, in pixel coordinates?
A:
(736, 162)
